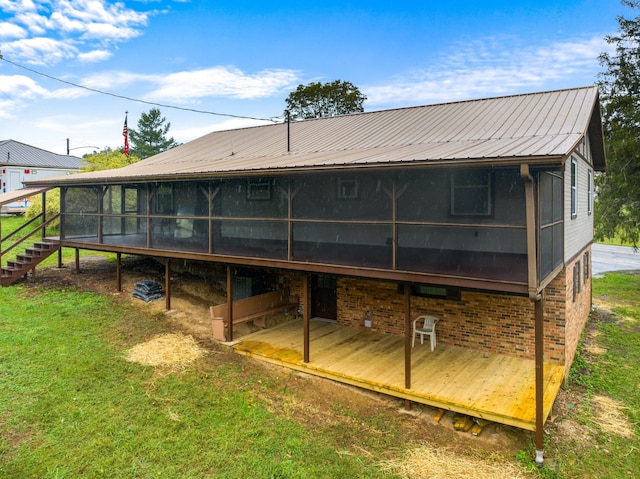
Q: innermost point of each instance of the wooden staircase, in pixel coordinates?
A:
(24, 262)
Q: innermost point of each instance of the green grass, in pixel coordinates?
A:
(71, 406)
(612, 371)
(12, 223)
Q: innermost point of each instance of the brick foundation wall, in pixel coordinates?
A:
(491, 322)
(578, 309)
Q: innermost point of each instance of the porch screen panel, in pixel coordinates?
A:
(474, 252)
(343, 196)
(81, 200)
(81, 226)
(366, 245)
(79, 218)
(180, 234)
(253, 238)
(190, 199)
(251, 198)
(550, 214)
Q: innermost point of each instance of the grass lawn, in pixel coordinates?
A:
(12, 223)
(71, 406)
(598, 438)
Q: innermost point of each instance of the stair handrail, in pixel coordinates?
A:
(20, 241)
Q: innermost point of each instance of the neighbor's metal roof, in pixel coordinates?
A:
(531, 127)
(14, 153)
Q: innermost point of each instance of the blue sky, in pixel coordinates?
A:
(244, 57)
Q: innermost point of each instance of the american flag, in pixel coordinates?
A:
(125, 133)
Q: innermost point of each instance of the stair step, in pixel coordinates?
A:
(28, 260)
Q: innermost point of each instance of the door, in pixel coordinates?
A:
(14, 180)
(324, 297)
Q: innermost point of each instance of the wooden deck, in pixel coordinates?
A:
(494, 387)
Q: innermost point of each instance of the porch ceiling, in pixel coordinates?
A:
(494, 387)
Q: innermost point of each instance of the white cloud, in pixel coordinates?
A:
(491, 67)
(9, 30)
(78, 27)
(221, 82)
(40, 51)
(16, 90)
(94, 56)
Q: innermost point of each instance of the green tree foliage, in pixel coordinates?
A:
(53, 206)
(317, 100)
(107, 159)
(617, 206)
(150, 138)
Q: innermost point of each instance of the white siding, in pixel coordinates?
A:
(578, 230)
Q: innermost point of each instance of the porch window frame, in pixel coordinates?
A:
(488, 186)
(350, 193)
(589, 192)
(574, 188)
(258, 189)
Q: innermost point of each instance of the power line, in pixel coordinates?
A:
(163, 105)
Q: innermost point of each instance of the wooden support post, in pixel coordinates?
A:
(539, 364)
(407, 336)
(306, 287)
(230, 301)
(77, 260)
(167, 284)
(44, 214)
(119, 271)
(60, 257)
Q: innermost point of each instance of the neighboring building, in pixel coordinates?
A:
(477, 212)
(20, 163)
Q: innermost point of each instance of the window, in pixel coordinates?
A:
(471, 193)
(164, 200)
(258, 189)
(576, 280)
(590, 192)
(574, 188)
(585, 261)
(431, 291)
(347, 188)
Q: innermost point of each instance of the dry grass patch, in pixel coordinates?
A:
(173, 351)
(432, 462)
(608, 414)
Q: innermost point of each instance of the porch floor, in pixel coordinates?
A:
(491, 386)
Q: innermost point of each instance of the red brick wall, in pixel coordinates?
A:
(577, 310)
(491, 322)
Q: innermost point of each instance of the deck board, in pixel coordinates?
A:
(495, 387)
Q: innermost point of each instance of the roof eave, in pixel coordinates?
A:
(427, 163)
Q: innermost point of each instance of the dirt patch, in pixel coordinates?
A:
(173, 351)
(609, 416)
(435, 462)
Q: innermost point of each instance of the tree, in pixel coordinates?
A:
(617, 205)
(151, 136)
(317, 100)
(107, 159)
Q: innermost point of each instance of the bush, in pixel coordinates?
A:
(53, 207)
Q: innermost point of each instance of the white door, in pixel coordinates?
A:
(15, 182)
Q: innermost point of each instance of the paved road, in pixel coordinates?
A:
(606, 258)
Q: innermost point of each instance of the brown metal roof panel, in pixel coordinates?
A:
(22, 193)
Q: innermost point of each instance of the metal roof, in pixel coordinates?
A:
(14, 153)
(20, 194)
(534, 127)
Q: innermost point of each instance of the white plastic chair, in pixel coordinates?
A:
(428, 328)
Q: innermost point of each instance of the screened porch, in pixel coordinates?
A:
(466, 223)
